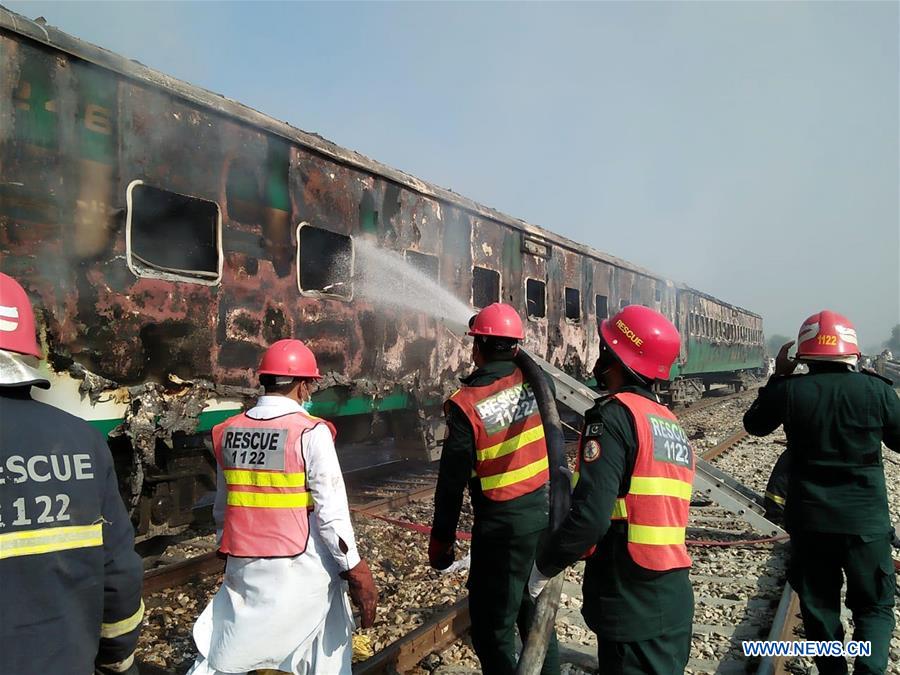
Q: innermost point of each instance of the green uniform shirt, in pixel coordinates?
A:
(835, 420)
(523, 515)
(623, 602)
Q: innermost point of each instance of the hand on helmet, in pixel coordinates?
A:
(363, 592)
(784, 365)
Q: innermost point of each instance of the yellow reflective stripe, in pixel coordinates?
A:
(270, 500)
(660, 487)
(114, 630)
(575, 478)
(264, 478)
(50, 539)
(512, 444)
(656, 536)
(775, 498)
(619, 510)
(514, 476)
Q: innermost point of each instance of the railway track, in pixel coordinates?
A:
(740, 590)
(452, 622)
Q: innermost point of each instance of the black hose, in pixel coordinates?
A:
(560, 476)
(544, 620)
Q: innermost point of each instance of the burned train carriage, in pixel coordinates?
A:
(167, 235)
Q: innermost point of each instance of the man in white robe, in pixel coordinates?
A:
(290, 613)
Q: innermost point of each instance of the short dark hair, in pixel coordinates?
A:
(279, 384)
(497, 348)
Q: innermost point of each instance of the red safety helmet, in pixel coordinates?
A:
(644, 341)
(17, 333)
(497, 320)
(827, 336)
(290, 358)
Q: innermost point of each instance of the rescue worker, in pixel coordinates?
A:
(495, 446)
(630, 505)
(71, 600)
(835, 419)
(285, 526)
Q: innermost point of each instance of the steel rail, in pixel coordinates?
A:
(782, 629)
(725, 445)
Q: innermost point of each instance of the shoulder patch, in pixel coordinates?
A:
(594, 429)
(591, 451)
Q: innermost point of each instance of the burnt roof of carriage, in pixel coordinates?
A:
(54, 38)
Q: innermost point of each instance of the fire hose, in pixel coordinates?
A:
(547, 604)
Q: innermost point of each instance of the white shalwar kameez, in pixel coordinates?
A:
(290, 614)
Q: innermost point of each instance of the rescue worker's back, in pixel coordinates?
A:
(70, 575)
(71, 580)
(835, 420)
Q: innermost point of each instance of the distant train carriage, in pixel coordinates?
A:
(721, 344)
(167, 235)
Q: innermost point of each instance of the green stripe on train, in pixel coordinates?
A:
(328, 404)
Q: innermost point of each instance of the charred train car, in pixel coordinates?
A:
(167, 235)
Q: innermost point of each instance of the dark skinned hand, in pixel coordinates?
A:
(784, 365)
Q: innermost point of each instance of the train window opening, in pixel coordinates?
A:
(535, 298)
(658, 293)
(573, 304)
(485, 287)
(601, 304)
(427, 264)
(324, 262)
(173, 236)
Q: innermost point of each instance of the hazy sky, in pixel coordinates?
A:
(749, 149)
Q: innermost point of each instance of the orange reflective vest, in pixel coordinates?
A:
(510, 450)
(659, 497)
(267, 511)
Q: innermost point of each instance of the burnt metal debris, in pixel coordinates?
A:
(167, 235)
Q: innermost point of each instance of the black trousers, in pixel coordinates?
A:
(664, 655)
(818, 563)
(499, 602)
